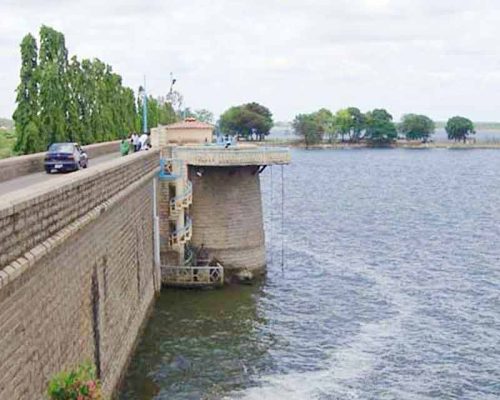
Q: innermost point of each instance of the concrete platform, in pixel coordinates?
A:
(240, 155)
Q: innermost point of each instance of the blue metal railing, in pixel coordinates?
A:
(167, 169)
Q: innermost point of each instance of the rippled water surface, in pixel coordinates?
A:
(390, 289)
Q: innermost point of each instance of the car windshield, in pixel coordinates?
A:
(61, 148)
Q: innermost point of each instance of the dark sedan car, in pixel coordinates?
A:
(65, 157)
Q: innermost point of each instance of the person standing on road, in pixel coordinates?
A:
(124, 147)
(143, 142)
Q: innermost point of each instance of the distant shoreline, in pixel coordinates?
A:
(398, 145)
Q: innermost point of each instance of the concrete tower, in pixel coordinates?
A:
(227, 207)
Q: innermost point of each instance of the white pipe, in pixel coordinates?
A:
(156, 229)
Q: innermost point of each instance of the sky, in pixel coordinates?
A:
(436, 57)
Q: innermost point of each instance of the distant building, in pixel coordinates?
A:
(183, 132)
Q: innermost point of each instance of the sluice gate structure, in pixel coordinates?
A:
(210, 205)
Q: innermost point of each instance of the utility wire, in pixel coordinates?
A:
(282, 220)
(271, 222)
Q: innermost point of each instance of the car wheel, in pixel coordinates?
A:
(47, 171)
(86, 164)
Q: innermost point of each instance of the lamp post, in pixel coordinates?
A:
(142, 92)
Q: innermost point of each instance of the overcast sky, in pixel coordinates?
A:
(438, 57)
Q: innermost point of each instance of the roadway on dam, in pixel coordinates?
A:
(23, 182)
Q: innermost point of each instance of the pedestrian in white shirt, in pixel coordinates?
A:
(143, 141)
(135, 142)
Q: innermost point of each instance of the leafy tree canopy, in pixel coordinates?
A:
(315, 126)
(305, 126)
(459, 128)
(247, 120)
(416, 127)
(68, 100)
(380, 129)
(325, 123)
(343, 123)
(26, 115)
(358, 122)
(350, 122)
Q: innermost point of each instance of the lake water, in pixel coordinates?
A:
(389, 289)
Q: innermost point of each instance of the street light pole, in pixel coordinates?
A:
(144, 108)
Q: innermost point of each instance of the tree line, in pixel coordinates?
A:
(374, 127)
(60, 99)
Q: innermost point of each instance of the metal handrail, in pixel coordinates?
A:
(182, 235)
(188, 256)
(193, 276)
(182, 200)
(166, 175)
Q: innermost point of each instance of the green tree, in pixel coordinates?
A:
(306, 126)
(76, 105)
(416, 127)
(459, 128)
(87, 95)
(261, 125)
(350, 122)
(26, 114)
(325, 124)
(82, 101)
(53, 85)
(343, 123)
(130, 111)
(153, 112)
(247, 120)
(380, 130)
(358, 124)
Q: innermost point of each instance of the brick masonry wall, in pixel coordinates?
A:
(32, 215)
(227, 216)
(14, 167)
(85, 296)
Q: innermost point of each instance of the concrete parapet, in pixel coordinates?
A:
(30, 216)
(213, 155)
(14, 167)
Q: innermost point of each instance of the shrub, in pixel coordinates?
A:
(78, 384)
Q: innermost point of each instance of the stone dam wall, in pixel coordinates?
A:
(77, 275)
(14, 167)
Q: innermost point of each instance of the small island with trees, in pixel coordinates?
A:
(376, 128)
(348, 127)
